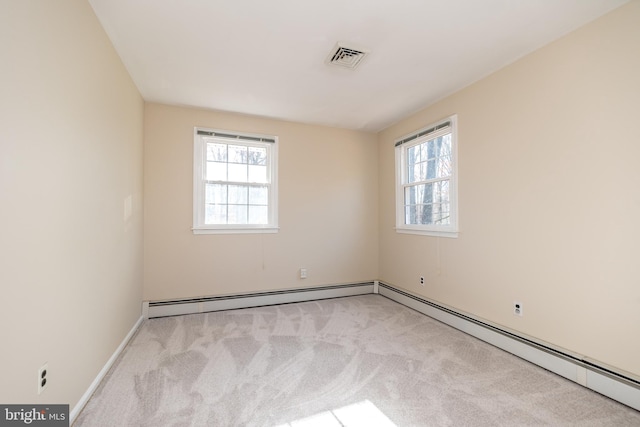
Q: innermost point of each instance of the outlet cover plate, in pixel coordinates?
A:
(43, 374)
(518, 309)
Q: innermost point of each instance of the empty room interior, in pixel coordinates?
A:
(118, 116)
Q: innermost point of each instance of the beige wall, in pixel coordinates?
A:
(549, 196)
(70, 153)
(327, 210)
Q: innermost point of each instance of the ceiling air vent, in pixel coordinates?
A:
(346, 56)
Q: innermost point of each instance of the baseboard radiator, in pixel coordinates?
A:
(603, 380)
(616, 385)
(229, 302)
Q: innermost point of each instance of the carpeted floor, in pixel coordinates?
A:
(351, 361)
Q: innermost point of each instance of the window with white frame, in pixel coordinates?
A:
(426, 180)
(234, 182)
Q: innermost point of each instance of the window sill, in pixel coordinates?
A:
(422, 232)
(231, 230)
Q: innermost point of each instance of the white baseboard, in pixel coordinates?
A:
(96, 382)
(614, 385)
(230, 302)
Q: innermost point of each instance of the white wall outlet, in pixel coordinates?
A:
(422, 280)
(42, 377)
(518, 310)
(303, 273)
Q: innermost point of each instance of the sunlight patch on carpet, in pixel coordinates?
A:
(362, 413)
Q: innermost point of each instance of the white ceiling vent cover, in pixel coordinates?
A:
(346, 56)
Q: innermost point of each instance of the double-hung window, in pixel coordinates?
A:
(234, 182)
(426, 180)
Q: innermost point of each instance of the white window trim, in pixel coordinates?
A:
(199, 159)
(450, 230)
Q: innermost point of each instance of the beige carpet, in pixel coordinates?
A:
(361, 360)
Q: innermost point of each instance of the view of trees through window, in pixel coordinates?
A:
(236, 189)
(428, 178)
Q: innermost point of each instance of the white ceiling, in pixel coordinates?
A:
(267, 57)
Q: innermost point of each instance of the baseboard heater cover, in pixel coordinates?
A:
(231, 302)
(605, 381)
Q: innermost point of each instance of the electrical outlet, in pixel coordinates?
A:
(303, 273)
(422, 280)
(518, 309)
(42, 377)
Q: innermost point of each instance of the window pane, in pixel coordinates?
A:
(441, 214)
(427, 193)
(424, 214)
(215, 214)
(435, 146)
(216, 171)
(416, 172)
(257, 174)
(424, 171)
(237, 172)
(446, 145)
(258, 215)
(427, 203)
(441, 192)
(410, 215)
(258, 196)
(428, 150)
(411, 195)
(237, 154)
(237, 214)
(430, 169)
(429, 160)
(413, 154)
(257, 156)
(443, 167)
(428, 214)
(411, 173)
(425, 149)
(216, 194)
(217, 152)
(238, 194)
